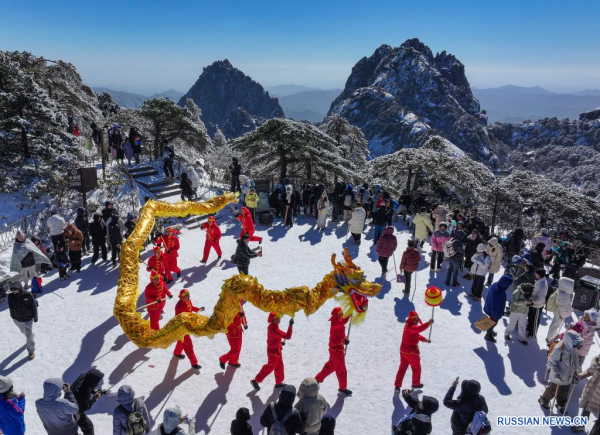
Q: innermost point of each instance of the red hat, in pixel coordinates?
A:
(169, 229)
(184, 292)
(272, 317)
(156, 249)
(335, 312)
(414, 316)
(211, 218)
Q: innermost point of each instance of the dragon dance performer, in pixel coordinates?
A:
(409, 350)
(247, 225)
(170, 243)
(157, 264)
(184, 305)
(275, 357)
(234, 337)
(337, 352)
(213, 235)
(156, 292)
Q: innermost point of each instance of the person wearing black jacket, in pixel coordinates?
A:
(381, 217)
(317, 191)
(471, 244)
(135, 139)
(415, 423)
(95, 133)
(537, 255)
(83, 225)
(168, 157)
(282, 409)
(187, 190)
(97, 231)
(23, 311)
(465, 406)
(243, 254)
(107, 211)
(85, 392)
(240, 425)
(406, 201)
(336, 200)
(235, 170)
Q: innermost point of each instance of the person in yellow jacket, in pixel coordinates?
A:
(252, 202)
(422, 223)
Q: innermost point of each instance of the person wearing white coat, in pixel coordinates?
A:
(323, 210)
(496, 253)
(193, 178)
(356, 224)
(563, 309)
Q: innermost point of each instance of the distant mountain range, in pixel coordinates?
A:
(285, 90)
(515, 103)
(131, 100)
(308, 105)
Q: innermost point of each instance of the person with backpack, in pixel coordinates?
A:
(235, 335)
(385, 248)
(480, 425)
(86, 392)
(454, 251)
(563, 367)
(311, 405)
(409, 264)
(438, 238)
(471, 244)
(115, 229)
(213, 236)
(422, 223)
(559, 303)
(465, 405)
(347, 202)
(540, 289)
(58, 415)
(131, 416)
(274, 353)
(280, 418)
(356, 224)
(337, 351)
(74, 240)
(590, 398)
(495, 302)
(23, 310)
(168, 157)
(172, 418)
(170, 243)
(419, 419)
(323, 211)
(496, 253)
(589, 321)
(409, 350)
(479, 270)
(12, 409)
(240, 425)
(184, 305)
(156, 291)
(519, 307)
(82, 224)
(194, 178)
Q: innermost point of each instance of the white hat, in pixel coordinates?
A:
(481, 247)
(516, 259)
(6, 384)
(593, 315)
(544, 231)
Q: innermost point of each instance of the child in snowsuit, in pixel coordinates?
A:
(589, 320)
(438, 238)
(184, 305)
(62, 259)
(409, 350)
(409, 263)
(519, 307)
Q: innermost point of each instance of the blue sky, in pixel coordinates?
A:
(153, 45)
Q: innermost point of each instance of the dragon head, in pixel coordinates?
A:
(352, 291)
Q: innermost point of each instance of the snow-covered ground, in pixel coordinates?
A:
(77, 331)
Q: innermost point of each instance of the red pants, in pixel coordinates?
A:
(414, 361)
(207, 245)
(233, 356)
(274, 363)
(188, 347)
(155, 316)
(171, 265)
(253, 238)
(337, 364)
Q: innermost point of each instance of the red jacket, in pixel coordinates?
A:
(246, 220)
(169, 244)
(213, 234)
(410, 260)
(185, 307)
(411, 337)
(158, 265)
(337, 334)
(274, 337)
(153, 293)
(235, 329)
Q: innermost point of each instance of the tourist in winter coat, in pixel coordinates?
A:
(172, 418)
(62, 258)
(251, 201)
(337, 351)
(187, 190)
(405, 203)
(347, 202)
(274, 354)
(168, 158)
(380, 219)
(58, 415)
(589, 320)
(323, 211)
(128, 403)
(528, 276)
(409, 350)
(235, 169)
(590, 398)
(240, 425)
(86, 393)
(26, 258)
(455, 261)
(409, 263)
(422, 224)
(235, 335)
(82, 223)
(337, 201)
(386, 246)
(74, 240)
(213, 237)
(465, 405)
(12, 409)
(127, 151)
(563, 311)
(439, 214)
(289, 203)
(278, 410)
(496, 253)
(356, 224)
(471, 244)
(243, 254)
(543, 237)
(170, 244)
(438, 238)
(107, 211)
(156, 291)
(515, 243)
(115, 229)
(317, 191)
(495, 302)
(56, 227)
(519, 307)
(563, 367)
(184, 305)
(247, 225)
(23, 311)
(537, 255)
(136, 143)
(419, 419)
(194, 178)
(540, 289)
(481, 265)
(561, 256)
(311, 405)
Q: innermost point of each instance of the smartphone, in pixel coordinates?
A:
(456, 380)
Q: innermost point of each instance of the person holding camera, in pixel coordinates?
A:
(275, 342)
(58, 415)
(172, 418)
(86, 393)
(12, 409)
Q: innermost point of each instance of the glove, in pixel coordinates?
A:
(159, 300)
(168, 251)
(346, 341)
(283, 343)
(148, 269)
(201, 308)
(245, 327)
(242, 314)
(170, 296)
(291, 322)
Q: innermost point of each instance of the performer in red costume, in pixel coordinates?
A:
(274, 348)
(409, 350)
(170, 243)
(337, 353)
(157, 264)
(234, 337)
(213, 235)
(248, 225)
(156, 291)
(184, 305)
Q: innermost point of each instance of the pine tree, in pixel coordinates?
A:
(218, 156)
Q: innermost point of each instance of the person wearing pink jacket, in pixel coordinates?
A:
(589, 320)
(439, 237)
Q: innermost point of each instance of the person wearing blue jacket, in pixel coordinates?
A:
(495, 302)
(12, 409)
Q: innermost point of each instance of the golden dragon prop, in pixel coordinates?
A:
(346, 283)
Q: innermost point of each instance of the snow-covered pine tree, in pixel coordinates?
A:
(218, 156)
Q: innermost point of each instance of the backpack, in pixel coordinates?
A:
(36, 285)
(553, 344)
(448, 248)
(551, 302)
(480, 425)
(164, 432)
(136, 425)
(278, 427)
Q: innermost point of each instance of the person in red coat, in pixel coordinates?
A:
(170, 243)
(213, 235)
(337, 352)
(234, 336)
(156, 291)
(409, 350)
(248, 225)
(184, 305)
(409, 263)
(274, 355)
(157, 264)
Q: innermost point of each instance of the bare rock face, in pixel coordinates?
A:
(231, 100)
